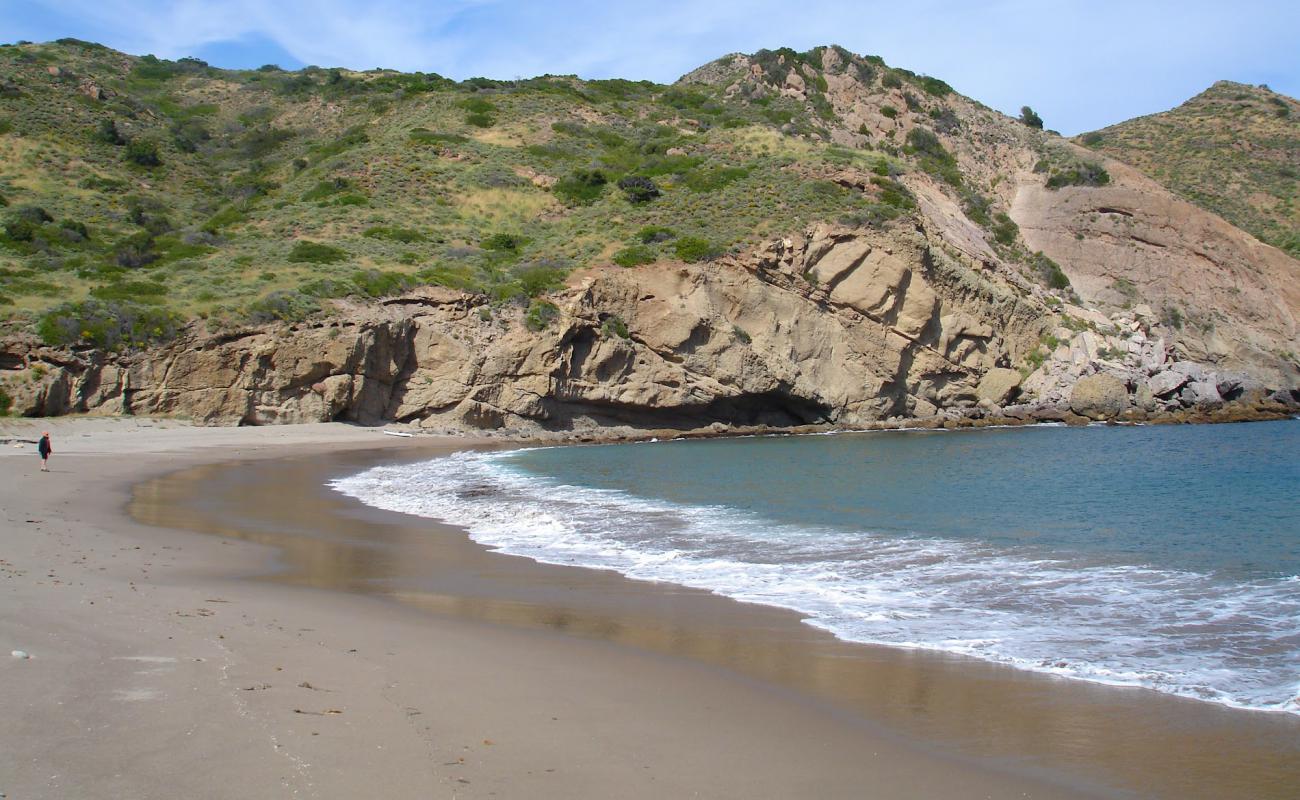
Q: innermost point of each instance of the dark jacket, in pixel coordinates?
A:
(43, 447)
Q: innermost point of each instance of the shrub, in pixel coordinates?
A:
(653, 234)
(351, 138)
(107, 324)
(284, 305)
(1050, 272)
(540, 314)
(503, 242)
(1082, 174)
(893, 193)
(148, 214)
(264, 140)
(316, 253)
(976, 208)
(326, 287)
(478, 105)
(129, 290)
(540, 278)
(324, 189)
(188, 134)
(779, 116)
(135, 251)
(153, 69)
(108, 133)
(932, 156)
(634, 256)
(1092, 139)
(934, 86)
(1030, 118)
(873, 216)
(25, 223)
(890, 80)
(889, 111)
(143, 152)
(581, 188)
(638, 189)
(379, 283)
(480, 120)
(1005, 229)
(613, 325)
(6, 403)
(821, 106)
(945, 121)
(712, 179)
(394, 234)
(693, 249)
(425, 136)
(227, 216)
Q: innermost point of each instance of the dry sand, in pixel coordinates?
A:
(168, 664)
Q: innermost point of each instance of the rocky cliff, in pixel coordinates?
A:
(840, 326)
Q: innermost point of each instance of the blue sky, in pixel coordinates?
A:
(1081, 65)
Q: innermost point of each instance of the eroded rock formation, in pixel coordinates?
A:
(839, 326)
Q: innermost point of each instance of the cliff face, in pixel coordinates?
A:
(1121, 239)
(838, 326)
(835, 327)
(1235, 300)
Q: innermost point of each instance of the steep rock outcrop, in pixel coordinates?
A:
(1234, 300)
(836, 326)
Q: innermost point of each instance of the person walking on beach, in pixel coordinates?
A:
(43, 447)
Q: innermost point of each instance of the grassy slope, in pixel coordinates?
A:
(1233, 149)
(412, 178)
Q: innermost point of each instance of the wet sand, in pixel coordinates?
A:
(459, 672)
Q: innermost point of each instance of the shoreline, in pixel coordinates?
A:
(628, 682)
(810, 614)
(774, 645)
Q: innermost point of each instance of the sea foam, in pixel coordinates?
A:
(1178, 632)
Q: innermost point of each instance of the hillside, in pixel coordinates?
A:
(1233, 149)
(501, 187)
(781, 237)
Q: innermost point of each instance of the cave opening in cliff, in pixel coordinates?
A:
(775, 408)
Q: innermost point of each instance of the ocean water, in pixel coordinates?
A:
(1163, 556)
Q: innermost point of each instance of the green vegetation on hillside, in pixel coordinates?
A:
(155, 192)
(1233, 149)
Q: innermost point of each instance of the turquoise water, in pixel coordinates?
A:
(1159, 556)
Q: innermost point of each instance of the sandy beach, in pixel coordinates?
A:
(204, 618)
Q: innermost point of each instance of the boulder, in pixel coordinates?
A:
(1237, 386)
(1153, 356)
(1100, 396)
(1191, 369)
(1020, 411)
(1143, 398)
(1050, 413)
(1166, 383)
(998, 385)
(1199, 393)
(1287, 397)
(923, 408)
